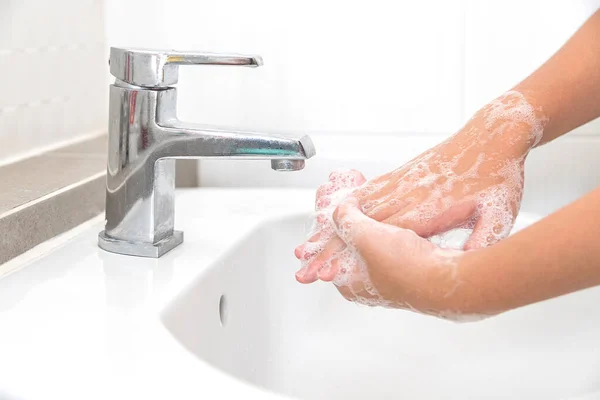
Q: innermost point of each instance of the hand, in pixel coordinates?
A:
(339, 185)
(474, 180)
(396, 268)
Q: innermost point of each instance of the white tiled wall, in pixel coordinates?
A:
(135, 23)
(352, 67)
(330, 66)
(52, 63)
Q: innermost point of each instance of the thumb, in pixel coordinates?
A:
(353, 226)
(490, 228)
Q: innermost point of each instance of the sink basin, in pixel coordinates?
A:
(222, 317)
(246, 315)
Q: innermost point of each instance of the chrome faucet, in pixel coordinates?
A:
(145, 138)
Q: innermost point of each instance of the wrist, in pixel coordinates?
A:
(485, 284)
(510, 125)
(451, 293)
(466, 295)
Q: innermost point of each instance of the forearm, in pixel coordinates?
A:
(567, 87)
(561, 95)
(558, 255)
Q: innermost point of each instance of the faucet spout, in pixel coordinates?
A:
(185, 139)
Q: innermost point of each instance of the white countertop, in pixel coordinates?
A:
(80, 323)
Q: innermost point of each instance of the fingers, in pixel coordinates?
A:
(491, 227)
(339, 183)
(381, 192)
(396, 202)
(322, 202)
(324, 192)
(319, 251)
(347, 178)
(480, 236)
(320, 222)
(352, 226)
(426, 220)
(308, 250)
(338, 180)
(375, 193)
(377, 242)
(329, 271)
(314, 244)
(309, 273)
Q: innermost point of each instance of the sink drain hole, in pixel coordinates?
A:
(223, 310)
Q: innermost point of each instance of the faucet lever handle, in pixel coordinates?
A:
(159, 68)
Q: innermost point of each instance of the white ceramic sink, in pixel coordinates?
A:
(221, 316)
(246, 315)
(77, 322)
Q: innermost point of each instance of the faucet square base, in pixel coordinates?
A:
(140, 249)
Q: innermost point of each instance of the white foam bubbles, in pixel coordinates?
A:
(513, 108)
(452, 239)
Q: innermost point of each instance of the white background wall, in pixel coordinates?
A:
(331, 67)
(351, 67)
(51, 67)
(380, 71)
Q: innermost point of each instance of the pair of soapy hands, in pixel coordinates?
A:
(370, 237)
